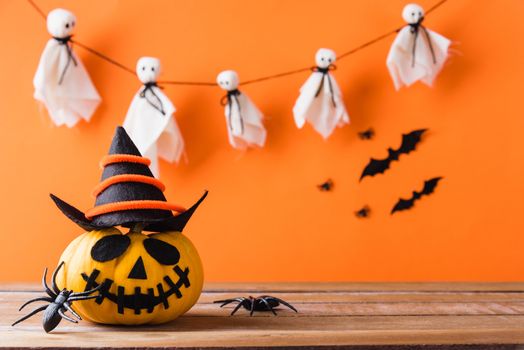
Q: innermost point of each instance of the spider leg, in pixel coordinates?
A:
(65, 317)
(35, 299)
(268, 305)
(224, 300)
(55, 287)
(227, 301)
(41, 308)
(285, 303)
(82, 298)
(238, 306)
(46, 287)
(87, 292)
(72, 311)
(252, 307)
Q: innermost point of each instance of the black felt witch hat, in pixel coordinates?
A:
(128, 194)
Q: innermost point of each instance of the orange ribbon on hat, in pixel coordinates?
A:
(127, 178)
(133, 204)
(123, 158)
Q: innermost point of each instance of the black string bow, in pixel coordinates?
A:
(152, 98)
(325, 75)
(66, 42)
(228, 100)
(415, 29)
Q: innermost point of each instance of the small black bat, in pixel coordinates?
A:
(326, 186)
(363, 213)
(379, 166)
(367, 134)
(429, 187)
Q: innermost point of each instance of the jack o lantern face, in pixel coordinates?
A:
(140, 275)
(111, 247)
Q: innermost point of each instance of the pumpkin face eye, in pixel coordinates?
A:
(110, 247)
(163, 252)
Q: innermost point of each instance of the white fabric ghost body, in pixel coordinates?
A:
(149, 120)
(406, 65)
(320, 101)
(243, 119)
(61, 82)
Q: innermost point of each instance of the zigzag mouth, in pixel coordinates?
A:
(138, 301)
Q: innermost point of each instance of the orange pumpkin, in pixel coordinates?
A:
(146, 279)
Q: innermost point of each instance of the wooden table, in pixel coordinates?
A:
(332, 315)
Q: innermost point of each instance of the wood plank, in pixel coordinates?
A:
(343, 297)
(247, 340)
(375, 309)
(267, 322)
(384, 297)
(267, 331)
(397, 315)
(317, 307)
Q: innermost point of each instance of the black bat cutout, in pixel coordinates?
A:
(326, 186)
(379, 166)
(363, 213)
(366, 134)
(405, 204)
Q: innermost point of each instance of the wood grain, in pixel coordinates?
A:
(446, 315)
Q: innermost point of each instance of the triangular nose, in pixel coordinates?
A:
(138, 271)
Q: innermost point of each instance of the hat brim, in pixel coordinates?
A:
(172, 223)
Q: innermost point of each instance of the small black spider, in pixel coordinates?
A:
(59, 303)
(363, 213)
(367, 134)
(326, 186)
(261, 303)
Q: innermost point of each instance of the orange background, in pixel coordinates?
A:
(264, 218)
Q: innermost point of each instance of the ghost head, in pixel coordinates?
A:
(228, 80)
(412, 13)
(60, 23)
(148, 69)
(325, 57)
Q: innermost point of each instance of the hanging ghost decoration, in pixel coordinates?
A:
(417, 52)
(61, 82)
(149, 120)
(320, 102)
(244, 120)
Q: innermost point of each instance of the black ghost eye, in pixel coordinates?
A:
(420, 13)
(152, 69)
(161, 251)
(143, 68)
(67, 25)
(413, 13)
(322, 59)
(110, 247)
(227, 82)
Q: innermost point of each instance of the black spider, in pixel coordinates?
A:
(261, 303)
(59, 303)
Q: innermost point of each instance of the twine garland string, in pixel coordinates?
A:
(251, 81)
